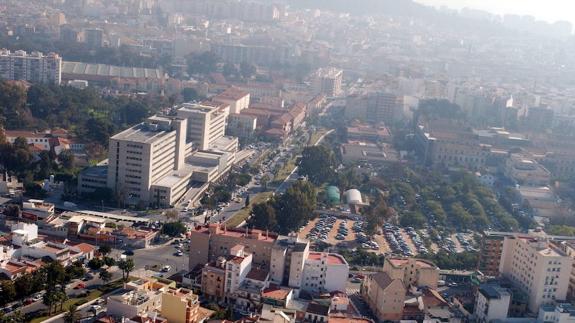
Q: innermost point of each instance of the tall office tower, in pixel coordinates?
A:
(537, 267)
(328, 81)
(94, 37)
(143, 155)
(33, 67)
(206, 122)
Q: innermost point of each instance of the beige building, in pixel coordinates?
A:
(213, 241)
(328, 81)
(143, 155)
(134, 303)
(237, 99)
(181, 306)
(385, 296)
(206, 122)
(526, 171)
(413, 272)
(536, 267)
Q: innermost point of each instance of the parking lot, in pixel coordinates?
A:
(342, 232)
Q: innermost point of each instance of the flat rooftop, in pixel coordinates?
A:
(332, 259)
(142, 133)
(398, 262)
(103, 70)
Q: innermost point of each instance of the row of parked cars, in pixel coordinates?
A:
(321, 229)
(416, 240)
(396, 241)
(465, 243)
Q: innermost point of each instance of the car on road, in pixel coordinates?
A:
(166, 268)
(128, 253)
(80, 286)
(178, 253)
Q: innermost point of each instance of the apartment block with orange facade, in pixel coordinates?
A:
(213, 241)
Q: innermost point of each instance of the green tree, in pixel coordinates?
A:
(105, 250)
(203, 63)
(318, 164)
(247, 202)
(412, 219)
(126, 266)
(189, 94)
(72, 314)
(108, 261)
(105, 275)
(229, 70)
(95, 263)
(174, 229)
(8, 293)
(67, 159)
(264, 216)
(247, 70)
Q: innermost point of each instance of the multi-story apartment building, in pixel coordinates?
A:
(213, 241)
(385, 296)
(181, 306)
(222, 278)
(237, 99)
(260, 54)
(32, 67)
(328, 81)
(242, 125)
(526, 171)
(491, 303)
(538, 268)
(324, 272)
(374, 107)
(450, 144)
(569, 248)
(288, 256)
(206, 122)
(288, 259)
(412, 272)
(141, 156)
(490, 255)
(94, 37)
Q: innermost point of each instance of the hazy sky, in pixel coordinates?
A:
(549, 10)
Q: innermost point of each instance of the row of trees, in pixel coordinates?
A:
(52, 278)
(287, 212)
(91, 116)
(459, 200)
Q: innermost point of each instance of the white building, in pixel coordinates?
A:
(328, 81)
(143, 155)
(24, 233)
(325, 272)
(560, 313)
(33, 67)
(239, 266)
(491, 303)
(537, 267)
(206, 122)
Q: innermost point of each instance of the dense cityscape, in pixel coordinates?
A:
(289, 161)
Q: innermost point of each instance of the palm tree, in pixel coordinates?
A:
(72, 315)
(126, 266)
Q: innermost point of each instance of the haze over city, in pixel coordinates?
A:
(290, 161)
(551, 10)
